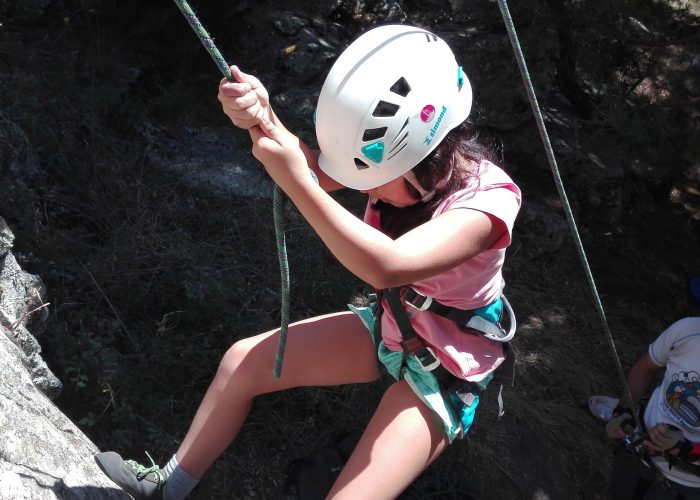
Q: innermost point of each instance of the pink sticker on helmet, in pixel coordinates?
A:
(427, 113)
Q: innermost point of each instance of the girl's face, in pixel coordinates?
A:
(394, 193)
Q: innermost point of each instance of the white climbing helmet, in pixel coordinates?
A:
(387, 102)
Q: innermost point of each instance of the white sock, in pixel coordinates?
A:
(178, 482)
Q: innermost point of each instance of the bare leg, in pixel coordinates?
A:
(327, 350)
(402, 439)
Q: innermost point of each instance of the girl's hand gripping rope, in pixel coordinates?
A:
(280, 153)
(247, 103)
(245, 100)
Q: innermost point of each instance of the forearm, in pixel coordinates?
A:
(363, 250)
(640, 377)
(371, 255)
(637, 388)
(383, 262)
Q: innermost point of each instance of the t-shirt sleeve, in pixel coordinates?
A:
(660, 349)
(497, 195)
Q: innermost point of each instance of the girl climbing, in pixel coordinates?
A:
(391, 122)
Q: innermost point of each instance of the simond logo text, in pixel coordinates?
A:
(433, 131)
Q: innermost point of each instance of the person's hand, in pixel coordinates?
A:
(280, 153)
(665, 439)
(245, 100)
(619, 426)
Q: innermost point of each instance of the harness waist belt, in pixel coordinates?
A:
(464, 318)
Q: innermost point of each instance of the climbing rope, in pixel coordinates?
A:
(510, 27)
(277, 197)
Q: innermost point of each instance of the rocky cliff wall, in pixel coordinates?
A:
(43, 455)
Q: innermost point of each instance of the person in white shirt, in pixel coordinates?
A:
(664, 463)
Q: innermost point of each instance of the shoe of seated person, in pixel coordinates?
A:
(139, 481)
(602, 407)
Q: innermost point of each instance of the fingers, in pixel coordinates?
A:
(269, 128)
(242, 85)
(264, 146)
(664, 438)
(256, 134)
(244, 100)
(618, 426)
(243, 108)
(616, 434)
(655, 432)
(238, 78)
(251, 80)
(235, 90)
(238, 75)
(265, 129)
(651, 446)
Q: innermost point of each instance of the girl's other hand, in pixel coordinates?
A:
(245, 100)
(280, 153)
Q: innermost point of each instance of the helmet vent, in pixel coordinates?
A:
(405, 125)
(397, 151)
(400, 142)
(360, 165)
(428, 37)
(372, 134)
(385, 109)
(401, 87)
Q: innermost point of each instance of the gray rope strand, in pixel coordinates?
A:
(503, 5)
(277, 198)
(277, 203)
(204, 37)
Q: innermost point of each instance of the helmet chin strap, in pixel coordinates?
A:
(410, 176)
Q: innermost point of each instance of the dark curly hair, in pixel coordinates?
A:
(460, 152)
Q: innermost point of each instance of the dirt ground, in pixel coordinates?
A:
(151, 280)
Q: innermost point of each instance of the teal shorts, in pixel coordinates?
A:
(456, 419)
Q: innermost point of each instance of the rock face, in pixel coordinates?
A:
(22, 305)
(43, 455)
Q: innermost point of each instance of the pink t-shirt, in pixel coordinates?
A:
(472, 284)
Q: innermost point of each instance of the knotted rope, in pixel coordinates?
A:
(277, 197)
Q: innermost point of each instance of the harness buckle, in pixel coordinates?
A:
(416, 300)
(428, 361)
(424, 354)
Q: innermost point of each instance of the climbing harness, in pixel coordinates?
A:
(467, 320)
(456, 392)
(277, 197)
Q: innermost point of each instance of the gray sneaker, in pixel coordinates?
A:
(142, 483)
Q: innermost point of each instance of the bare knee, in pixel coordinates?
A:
(418, 418)
(239, 366)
